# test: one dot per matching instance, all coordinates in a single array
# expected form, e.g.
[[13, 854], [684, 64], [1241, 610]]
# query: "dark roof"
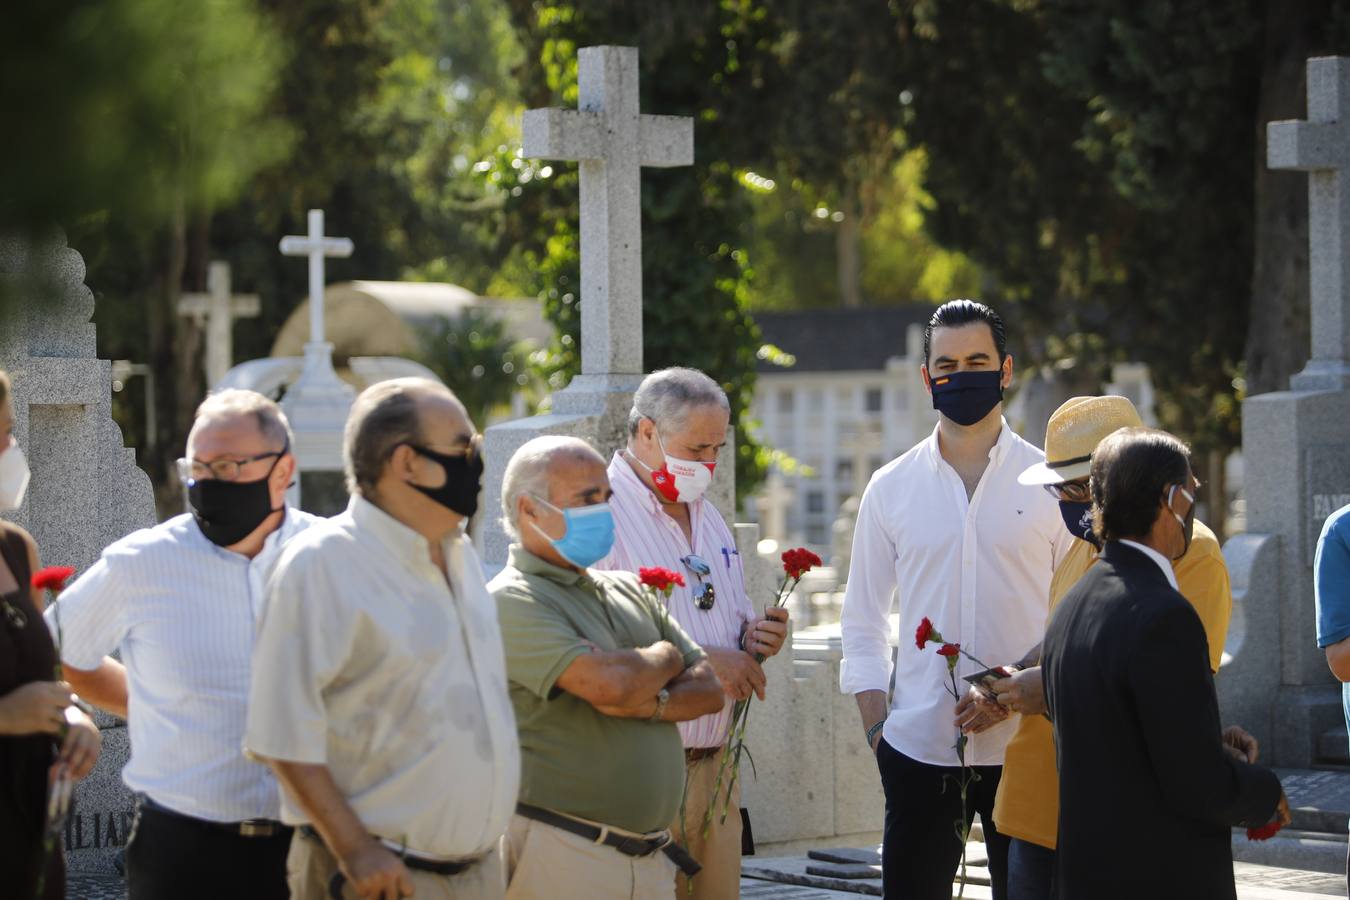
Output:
[[840, 340]]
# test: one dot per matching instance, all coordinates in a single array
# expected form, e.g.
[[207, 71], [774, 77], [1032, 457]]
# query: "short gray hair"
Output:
[[384, 416], [271, 421], [667, 396], [527, 472]]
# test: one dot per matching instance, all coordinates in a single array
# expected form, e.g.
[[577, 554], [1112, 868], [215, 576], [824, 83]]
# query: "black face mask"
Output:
[[229, 511], [966, 397], [1078, 519], [463, 479]]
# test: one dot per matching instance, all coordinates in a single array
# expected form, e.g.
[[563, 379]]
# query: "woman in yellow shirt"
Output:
[[1027, 804]]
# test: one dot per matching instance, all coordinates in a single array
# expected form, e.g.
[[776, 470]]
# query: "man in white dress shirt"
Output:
[[379, 691], [677, 425], [948, 527], [181, 601]]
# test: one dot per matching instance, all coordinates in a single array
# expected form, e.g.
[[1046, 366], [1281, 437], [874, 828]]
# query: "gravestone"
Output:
[[1295, 442], [611, 140], [217, 310], [318, 402], [86, 490]]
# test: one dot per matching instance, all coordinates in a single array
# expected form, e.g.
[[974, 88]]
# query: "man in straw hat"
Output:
[[1027, 805]]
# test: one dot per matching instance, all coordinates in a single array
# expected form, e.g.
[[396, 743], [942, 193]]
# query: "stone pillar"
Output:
[[86, 490]]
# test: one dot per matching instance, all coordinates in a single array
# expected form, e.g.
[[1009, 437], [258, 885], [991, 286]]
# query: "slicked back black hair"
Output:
[[955, 313]]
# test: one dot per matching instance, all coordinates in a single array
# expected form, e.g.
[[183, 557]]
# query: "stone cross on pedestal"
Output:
[[1321, 147], [1275, 682], [318, 403], [217, 309], [611, 140]]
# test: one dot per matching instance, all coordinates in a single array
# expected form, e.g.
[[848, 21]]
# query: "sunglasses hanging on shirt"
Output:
[[704, 595]]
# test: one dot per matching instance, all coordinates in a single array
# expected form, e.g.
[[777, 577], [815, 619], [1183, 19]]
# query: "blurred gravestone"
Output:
[[86, 490], [318, 402]]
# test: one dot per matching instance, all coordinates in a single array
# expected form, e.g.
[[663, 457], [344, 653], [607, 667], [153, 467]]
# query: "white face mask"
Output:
[[14, 476], [680, 480]]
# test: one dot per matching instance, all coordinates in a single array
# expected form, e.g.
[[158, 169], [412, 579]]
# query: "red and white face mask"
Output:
[[680, 480]]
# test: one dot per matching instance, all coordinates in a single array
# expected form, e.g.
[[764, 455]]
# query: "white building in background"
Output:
[[853, 401]]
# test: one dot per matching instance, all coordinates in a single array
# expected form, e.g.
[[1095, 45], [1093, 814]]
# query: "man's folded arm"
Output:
[[619, 678]]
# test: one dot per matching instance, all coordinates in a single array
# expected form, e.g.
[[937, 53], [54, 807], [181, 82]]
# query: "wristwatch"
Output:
[[662, 698]]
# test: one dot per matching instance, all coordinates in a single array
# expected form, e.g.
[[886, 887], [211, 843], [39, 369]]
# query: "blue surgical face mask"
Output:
[[1078, 519], [966, 397], [589, 533]]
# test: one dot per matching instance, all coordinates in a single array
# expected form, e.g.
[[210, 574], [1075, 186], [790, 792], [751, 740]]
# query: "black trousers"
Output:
[[172, 857], [920, 852]]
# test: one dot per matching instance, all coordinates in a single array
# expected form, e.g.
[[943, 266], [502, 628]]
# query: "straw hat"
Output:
[[1074, 431]]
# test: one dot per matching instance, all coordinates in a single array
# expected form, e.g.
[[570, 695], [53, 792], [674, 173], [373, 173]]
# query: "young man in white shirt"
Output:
[[948, 527], [379, 692], [181, 601]]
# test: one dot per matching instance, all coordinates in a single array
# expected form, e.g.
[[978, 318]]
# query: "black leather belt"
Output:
[[249, 828], [625, 844], [417, 863]]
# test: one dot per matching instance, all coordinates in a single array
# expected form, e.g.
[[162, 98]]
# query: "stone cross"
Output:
[[611, 140], [316, 246], [318, 402], [217, 309], [1320, 146]]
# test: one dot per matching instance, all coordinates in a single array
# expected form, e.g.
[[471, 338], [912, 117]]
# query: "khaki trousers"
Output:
[[720, 852], [547, 863], [310, 868]]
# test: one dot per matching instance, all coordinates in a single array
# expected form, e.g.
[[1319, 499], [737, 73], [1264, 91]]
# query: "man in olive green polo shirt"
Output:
[[599, 675]]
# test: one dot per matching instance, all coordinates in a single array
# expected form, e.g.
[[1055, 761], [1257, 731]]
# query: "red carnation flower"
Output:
[[52, 578], [798, 562], [949, 650], [1265, 832], [659, 579], [925, 633]]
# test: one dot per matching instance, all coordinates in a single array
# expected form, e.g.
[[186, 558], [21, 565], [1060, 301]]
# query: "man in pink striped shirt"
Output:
[[677, 426]]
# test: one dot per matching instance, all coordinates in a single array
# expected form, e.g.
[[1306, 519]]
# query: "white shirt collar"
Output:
[[404, 542], [1163, 562]]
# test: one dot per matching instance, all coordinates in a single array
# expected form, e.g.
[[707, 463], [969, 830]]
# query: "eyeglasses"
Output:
[[704, 596], [1070, 491], [220, 469]]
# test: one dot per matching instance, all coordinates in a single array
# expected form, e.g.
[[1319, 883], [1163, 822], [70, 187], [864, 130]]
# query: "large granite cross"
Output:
[[1321, 147], [217, 309], [611, 140]]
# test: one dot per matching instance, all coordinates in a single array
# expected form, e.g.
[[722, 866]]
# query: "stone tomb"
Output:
[[1276, 683], [86, 490]]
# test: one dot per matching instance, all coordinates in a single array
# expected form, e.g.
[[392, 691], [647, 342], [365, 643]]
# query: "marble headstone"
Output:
[[318, 402], [86, 490], [1276, 683]]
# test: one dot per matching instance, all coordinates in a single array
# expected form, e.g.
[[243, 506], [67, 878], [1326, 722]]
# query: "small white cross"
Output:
[[217, 309], [316, 246]]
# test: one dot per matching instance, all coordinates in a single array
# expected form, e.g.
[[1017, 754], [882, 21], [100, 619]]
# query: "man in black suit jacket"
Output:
[[1150, 787]]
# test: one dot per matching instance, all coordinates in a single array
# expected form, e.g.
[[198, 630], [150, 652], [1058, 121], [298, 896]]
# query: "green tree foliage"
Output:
[[136, 109], [480, 362]]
